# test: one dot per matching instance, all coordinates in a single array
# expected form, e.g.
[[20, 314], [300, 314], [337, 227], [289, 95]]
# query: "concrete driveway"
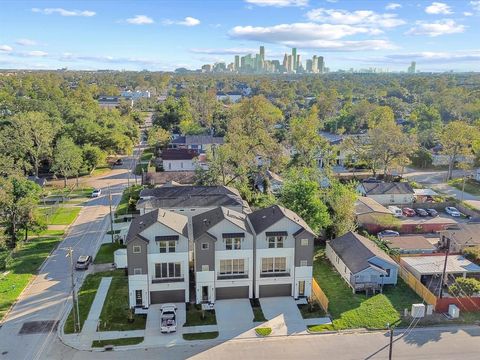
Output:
[[153, 334], [234, 318], [283, 315]]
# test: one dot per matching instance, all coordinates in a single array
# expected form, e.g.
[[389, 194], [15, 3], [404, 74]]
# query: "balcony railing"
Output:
[[232, 276], [274, 274], [167, 280]]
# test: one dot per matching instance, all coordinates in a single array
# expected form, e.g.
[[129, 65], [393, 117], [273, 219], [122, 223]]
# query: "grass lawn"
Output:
[[263, 331], [201, 336], [194, 316], [105, 253], [310, 311], [471, 186], [115, 311], [133, 192], [86, 295], [349, 310], [60, 215], [21, 266], [118, 342], [257, 311]]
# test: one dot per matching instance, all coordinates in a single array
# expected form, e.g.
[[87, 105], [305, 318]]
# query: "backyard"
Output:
[[349, 311], [105, 253], [133, 192]]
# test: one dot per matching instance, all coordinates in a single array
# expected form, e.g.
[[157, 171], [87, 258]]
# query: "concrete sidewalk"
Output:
[[91, 323]]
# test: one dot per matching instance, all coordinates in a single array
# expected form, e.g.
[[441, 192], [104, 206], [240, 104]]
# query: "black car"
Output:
[[421, 212], [118, 162], [432, 212]]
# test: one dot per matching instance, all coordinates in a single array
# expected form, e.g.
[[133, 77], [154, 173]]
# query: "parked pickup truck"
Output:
[[168, 318]]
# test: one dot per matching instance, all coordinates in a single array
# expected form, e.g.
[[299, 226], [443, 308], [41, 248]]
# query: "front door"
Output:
[[138, 298], [204, 293], [301, 288]]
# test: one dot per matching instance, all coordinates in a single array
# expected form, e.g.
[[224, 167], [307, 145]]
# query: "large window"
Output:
[[275, 241], [232, 266], [233, 244], [276, 264], [167, 246], [168, 270]]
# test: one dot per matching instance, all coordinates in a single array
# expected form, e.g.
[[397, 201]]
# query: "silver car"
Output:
[[83, 262]]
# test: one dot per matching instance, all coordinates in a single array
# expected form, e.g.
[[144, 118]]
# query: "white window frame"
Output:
[[205, 246], [274, 265], [233, 244], [303, 263], [276, 241], [304, 242], [136, 249], [205, 268], [232, 267], [137, 271], [166, 270], [166, 244]]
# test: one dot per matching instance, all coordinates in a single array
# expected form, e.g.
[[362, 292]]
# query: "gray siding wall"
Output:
[[137, 260], [204, 257], [304, 252]]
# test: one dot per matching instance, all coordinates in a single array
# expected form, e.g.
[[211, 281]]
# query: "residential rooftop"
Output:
[[387, 188]]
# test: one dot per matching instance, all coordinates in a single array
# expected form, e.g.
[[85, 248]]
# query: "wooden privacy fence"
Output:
[[418, 287], [319, 295]]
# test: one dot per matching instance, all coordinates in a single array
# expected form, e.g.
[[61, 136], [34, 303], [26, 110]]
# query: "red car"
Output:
[[408, 212]]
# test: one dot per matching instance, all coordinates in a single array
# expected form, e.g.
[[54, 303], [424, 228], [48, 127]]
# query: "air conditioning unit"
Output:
[[418, 310], [453, 311]]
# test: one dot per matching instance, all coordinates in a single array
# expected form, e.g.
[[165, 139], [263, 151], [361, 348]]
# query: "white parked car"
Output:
[[450, 210], [96, 193], [168, 318], [396, 211]]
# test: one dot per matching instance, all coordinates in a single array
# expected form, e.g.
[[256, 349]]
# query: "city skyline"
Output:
[[259, 64], [438, 36]]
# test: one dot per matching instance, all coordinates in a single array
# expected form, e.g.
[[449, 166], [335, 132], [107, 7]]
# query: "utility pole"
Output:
[[111, 215], [463, 187], [76, 314], [391, 327], [444, 268]]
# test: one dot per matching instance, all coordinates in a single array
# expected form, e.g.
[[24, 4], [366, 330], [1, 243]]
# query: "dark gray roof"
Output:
[[198, 140], [203, 222], [178, 154], [189, 196], [176, 222], [355, 250], [387, 188], [264, 218]]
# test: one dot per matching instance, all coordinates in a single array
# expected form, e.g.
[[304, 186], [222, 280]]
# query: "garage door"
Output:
[[234, 292], [160, 297], [275, 290]]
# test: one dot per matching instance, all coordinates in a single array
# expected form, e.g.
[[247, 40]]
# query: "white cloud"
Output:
[[223, 51], [311, 35], [26, 42], [475, 5], [140, 20], [188, 21], [467, 13], [359, 17], [438, 57], [438, 8], [5, 48], [393, 6], [278, 3], [437, 28], [64, 12], [36, 53]]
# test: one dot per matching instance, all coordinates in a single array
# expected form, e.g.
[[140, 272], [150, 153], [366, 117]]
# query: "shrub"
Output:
[[464, 287], [472, 254]]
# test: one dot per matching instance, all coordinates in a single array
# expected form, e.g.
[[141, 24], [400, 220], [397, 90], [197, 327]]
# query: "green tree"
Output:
[[18, 199], [158, 136], [341, 199], [67, 159], [464, 287], [301, 193], [456, 139], [93, 156]]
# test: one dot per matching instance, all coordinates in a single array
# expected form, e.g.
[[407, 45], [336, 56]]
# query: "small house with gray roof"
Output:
[[223, 255], [158, 259], [283, 253], [391, 193], [362, 264]]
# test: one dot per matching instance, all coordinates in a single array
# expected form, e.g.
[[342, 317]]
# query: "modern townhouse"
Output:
[[283, 253], [223, 255], [158, 258]]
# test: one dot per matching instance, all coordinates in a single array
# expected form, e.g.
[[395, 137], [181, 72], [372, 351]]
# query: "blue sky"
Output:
[[163, 35]]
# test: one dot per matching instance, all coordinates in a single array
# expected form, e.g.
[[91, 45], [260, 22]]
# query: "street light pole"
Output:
[[76, 316], [111, 216]]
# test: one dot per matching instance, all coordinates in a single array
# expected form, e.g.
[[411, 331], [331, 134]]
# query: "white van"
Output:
[[396, 211]]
